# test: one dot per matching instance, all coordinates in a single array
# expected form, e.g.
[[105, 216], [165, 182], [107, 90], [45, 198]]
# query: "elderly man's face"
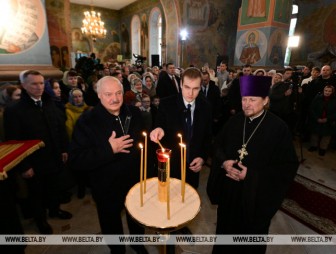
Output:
[[253, 106], [111, 96], [34, 86]]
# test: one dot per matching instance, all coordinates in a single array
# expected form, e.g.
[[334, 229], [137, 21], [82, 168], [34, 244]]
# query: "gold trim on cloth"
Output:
[[9, 147]]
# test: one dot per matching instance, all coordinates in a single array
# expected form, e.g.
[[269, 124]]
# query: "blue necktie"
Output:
[[189, 122]]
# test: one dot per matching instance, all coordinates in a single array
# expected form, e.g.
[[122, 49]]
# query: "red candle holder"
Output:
[[162, 156]]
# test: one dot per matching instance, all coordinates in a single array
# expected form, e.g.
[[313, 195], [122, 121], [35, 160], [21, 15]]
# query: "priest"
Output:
[[253, 166]]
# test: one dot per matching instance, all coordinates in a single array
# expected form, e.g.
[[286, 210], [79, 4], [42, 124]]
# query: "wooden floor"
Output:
[[84, 221]]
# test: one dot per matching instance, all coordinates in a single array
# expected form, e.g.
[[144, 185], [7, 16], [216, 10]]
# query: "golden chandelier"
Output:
[[93, 25]]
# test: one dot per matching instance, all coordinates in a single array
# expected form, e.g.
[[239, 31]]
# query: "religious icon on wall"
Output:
[[22, 24], [144, 36], [250, 53], [125, 40], [79, 42], [65, 56], [196, 13], [251, 47], [277, 47], [256, 8], [254, 11], [55, 56], [111, 52], [283, 11]]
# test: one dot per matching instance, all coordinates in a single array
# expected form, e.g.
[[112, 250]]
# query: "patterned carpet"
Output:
[[313, 204]]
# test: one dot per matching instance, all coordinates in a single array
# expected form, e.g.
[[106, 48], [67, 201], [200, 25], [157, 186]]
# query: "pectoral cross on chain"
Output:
[[242, 153]]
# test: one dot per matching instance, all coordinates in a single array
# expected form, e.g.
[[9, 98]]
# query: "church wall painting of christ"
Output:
[[251, 47]]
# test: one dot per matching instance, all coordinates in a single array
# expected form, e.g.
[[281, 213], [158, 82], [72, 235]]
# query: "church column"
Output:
[[262, 32]]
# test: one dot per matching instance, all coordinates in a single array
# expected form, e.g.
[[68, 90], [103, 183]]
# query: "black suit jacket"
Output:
[[234, 96], [171, 118], [91, 152], [166, 87], [213, 97]]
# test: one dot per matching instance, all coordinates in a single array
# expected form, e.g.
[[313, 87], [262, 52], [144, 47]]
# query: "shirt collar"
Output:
[[254, 117], [35, 100], [192, 103]]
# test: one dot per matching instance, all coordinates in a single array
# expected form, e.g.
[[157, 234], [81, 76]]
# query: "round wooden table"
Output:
[[153, 213]]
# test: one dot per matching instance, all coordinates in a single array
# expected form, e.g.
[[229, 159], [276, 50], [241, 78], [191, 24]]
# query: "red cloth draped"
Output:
[[14, 151]]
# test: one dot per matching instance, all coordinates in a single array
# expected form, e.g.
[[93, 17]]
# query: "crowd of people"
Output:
[[90, 128]]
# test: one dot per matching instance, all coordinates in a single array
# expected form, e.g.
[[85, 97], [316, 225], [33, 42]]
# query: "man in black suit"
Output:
[[172, 118], [103, 147], [212, 94], [168, 83], [35, 116]]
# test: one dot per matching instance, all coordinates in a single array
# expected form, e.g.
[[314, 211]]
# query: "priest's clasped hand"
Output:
[[196, 164], [234, 173], [120, 145]]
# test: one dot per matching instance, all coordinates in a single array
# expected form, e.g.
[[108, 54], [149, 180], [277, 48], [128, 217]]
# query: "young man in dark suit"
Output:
[[212, 94], [172, 118]]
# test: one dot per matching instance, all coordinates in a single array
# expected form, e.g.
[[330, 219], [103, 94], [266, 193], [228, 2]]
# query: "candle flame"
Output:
[[179, 135], [144, 134], [141, 146], [166, 156], [183, 145]]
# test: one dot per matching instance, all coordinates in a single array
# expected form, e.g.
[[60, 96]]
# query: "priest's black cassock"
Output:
[[247, 206]]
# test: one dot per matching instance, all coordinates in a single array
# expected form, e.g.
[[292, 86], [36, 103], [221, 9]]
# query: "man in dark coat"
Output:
[[212, 94], [168, 83], [253, 165], [35, 116], [103, 147], [234, 95], [171, 120]]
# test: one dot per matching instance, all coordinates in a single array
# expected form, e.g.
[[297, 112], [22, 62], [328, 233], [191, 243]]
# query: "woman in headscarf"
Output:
[[148, 84], [73, 109], [135, 94]]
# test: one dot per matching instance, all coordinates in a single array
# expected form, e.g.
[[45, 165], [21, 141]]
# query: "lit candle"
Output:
[[180, 136], [145, 164], [182, 165], [168, 188], [184, 170], [141, 173]]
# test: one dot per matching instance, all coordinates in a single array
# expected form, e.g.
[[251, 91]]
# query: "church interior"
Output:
[[49, 36]]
